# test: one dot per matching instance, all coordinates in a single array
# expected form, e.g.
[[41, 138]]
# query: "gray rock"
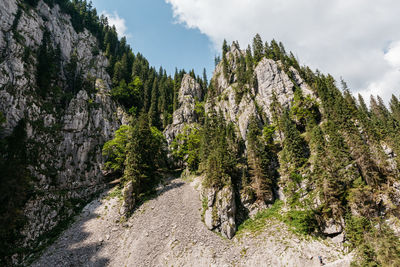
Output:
[[221, 214], [69, 141], [129, 201], [189, 92], [332, 227]]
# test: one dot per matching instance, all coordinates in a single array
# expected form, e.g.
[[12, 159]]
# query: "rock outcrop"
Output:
[[67, 141], [271, 80], [189, 93], [220, 213]]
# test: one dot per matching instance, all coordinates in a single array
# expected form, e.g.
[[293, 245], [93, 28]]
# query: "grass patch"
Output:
[[204, 204], [116, 192], [259, 221], [299, 221]]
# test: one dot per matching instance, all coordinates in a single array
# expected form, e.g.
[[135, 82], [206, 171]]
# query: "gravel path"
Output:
[[168, 231]]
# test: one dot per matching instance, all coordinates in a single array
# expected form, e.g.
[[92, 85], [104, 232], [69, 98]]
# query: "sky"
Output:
[[152, 30], [357, 40]]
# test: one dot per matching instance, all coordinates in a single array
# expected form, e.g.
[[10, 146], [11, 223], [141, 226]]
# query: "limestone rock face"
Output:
[[67, 138], [221, 211], [332, 228], [271, 80], [129, 201], [223, 82], [189, 92]]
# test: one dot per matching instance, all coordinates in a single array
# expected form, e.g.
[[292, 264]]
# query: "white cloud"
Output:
[[393, 55], [390, 82], [115, 19], [345, 38]]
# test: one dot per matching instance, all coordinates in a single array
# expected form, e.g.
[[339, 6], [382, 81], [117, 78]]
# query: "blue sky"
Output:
[[152, 31], [357, 40]]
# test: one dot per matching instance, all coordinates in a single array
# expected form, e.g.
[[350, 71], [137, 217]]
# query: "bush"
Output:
[[301, 221], [374, 242]]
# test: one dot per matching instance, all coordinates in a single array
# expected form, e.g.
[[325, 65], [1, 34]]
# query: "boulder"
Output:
[[220, 213], [129, 200]]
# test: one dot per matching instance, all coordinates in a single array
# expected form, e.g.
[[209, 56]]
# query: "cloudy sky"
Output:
[[358, 40]]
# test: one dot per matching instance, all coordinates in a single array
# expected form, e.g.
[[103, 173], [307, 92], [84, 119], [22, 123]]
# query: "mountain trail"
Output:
[[168, 231]]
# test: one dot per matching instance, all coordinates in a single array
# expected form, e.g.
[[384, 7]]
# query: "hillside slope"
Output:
[[167, 231]]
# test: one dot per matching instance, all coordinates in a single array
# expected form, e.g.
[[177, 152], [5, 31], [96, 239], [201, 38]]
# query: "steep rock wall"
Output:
[[64, 143]]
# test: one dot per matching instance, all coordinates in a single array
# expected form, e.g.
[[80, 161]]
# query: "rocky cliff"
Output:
[[64, 140], [189, 92], [274, 88]]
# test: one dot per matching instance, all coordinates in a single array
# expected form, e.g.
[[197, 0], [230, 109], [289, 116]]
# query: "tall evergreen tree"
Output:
[[140, 163], [295, 149], [258, 158], [258, 48]]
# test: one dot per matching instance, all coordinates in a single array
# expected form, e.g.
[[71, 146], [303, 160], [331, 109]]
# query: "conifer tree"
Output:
[[249, 65], [295, 149], [241, 72], [225, 63], [395, 107], [258, 158], [142, 152], [205, 81], [154, 116], [258, 48]]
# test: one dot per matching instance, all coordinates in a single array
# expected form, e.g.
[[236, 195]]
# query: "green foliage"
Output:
[[260, 158], [249, 66], [186, 147], [305, 110], [374, 242], [268, 133], [258, 48], [129, 95], [115, 193], [301, 221], [260, 220], [225, 64], [115, 149], [218, 151], [295, 149], [145, 154]]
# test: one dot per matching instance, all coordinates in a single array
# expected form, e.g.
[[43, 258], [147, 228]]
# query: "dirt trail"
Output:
[[168, 231]]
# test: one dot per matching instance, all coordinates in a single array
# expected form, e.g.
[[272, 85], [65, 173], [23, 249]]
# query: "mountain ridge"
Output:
[[264, 130]]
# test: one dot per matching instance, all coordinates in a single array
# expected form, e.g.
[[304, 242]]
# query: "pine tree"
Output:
[[217, 152], [258, 48], [205, 81], [154, 116], [73, 74], [395, 107], [140, 163], [295, 149], [258, 158], [225, 63], [241, 72], [249, 65]]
